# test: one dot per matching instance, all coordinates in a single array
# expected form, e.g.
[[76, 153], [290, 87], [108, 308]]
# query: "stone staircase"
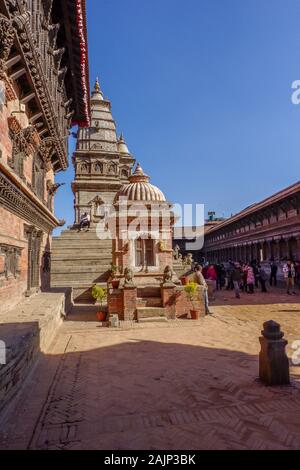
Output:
[[79, 260], [149, 305], [179, 268]]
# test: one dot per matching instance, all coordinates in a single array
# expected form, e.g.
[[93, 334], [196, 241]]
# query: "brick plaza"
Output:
[[177, 385]]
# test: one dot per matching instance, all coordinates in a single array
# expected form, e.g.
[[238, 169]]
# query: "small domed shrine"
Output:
[[144, 287]]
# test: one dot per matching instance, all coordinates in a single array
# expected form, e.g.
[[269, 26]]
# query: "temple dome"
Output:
[[140, 189]]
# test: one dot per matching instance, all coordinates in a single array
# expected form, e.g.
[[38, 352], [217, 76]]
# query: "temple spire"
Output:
[[97, 93], [122, 146]]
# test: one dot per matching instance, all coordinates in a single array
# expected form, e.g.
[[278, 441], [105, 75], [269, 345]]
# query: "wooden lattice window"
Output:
[[144, 253]]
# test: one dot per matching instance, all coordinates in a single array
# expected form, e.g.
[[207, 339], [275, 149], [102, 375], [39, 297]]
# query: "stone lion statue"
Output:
[[176, 252], [188, 260], [168, 275], [128, 274]]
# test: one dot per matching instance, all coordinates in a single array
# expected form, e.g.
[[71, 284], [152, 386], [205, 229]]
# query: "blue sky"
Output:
[[202, 92]]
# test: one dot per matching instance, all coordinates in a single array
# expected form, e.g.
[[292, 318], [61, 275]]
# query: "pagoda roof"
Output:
[[74, 18]]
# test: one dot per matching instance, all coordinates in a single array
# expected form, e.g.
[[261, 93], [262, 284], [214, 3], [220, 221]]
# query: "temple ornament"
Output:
[[7, 36]]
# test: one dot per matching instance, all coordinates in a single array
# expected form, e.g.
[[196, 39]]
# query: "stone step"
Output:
[[150, 312], [78, 269], [69, 279], [81, 243], [83, 236], [81, 260], [153, 320], [80, 251], [149, 291], [84, 285], [149, 302], [80, 264]]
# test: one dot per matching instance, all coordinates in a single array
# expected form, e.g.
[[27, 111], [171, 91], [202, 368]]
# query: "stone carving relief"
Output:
[[112, 169], [9, 261], [47, 149], [24, 143], [97, 211], [125, 172], [98, 166]]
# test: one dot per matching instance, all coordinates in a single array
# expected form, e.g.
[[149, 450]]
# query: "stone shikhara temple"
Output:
[[137, 240], [44, 79]]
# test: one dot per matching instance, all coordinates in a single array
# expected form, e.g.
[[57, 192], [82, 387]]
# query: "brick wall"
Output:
[[12, 290]]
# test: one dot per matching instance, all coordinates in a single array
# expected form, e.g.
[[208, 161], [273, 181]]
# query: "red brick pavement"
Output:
[[180, 385]]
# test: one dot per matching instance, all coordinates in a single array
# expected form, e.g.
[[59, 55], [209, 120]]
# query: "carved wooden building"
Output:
[[267, 230], [43, 91]]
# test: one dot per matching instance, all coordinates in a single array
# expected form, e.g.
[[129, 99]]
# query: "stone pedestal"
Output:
[[273, 361], [129, 303], [168, 296]]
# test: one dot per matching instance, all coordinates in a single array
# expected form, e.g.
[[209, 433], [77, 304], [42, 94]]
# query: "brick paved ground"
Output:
[[181, 385]]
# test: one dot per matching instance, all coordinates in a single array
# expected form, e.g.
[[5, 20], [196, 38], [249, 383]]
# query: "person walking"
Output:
[[274, 271], [236, 278], [245, 275], [289, 273], [220, 274], [256, 273], [250, 279], [229, 270], [263, 277], [211, 276], [199, 279]]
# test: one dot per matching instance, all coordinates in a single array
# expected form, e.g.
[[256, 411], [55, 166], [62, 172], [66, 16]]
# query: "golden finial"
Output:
[[97, 86]]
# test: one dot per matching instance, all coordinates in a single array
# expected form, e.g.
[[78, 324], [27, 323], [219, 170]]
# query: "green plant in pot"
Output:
[[192, 290], [100, 294]]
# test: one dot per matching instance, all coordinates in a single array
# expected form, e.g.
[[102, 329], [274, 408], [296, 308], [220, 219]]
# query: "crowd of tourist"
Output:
[[247, 277]]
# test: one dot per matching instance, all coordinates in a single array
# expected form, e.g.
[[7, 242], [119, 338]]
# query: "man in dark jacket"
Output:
[[236, 278], [273, 276]]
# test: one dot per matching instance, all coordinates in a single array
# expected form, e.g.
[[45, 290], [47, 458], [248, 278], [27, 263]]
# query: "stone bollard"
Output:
[[273, 361]]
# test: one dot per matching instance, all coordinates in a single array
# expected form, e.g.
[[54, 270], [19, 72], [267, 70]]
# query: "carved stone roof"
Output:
[[140, 189]]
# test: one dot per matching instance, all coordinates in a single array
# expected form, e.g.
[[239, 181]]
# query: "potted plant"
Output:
[[100, 294], [192, 290], [113, 272]]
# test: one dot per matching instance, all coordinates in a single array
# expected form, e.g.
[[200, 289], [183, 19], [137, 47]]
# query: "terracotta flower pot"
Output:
[[184, 280], [115, 284], [101, 316], [195, 314]]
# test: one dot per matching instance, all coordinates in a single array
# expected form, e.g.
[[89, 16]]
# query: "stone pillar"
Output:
[[270, 250], [288, 248], [168, 296], [273, 361], [278, 254], [129, 303]]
